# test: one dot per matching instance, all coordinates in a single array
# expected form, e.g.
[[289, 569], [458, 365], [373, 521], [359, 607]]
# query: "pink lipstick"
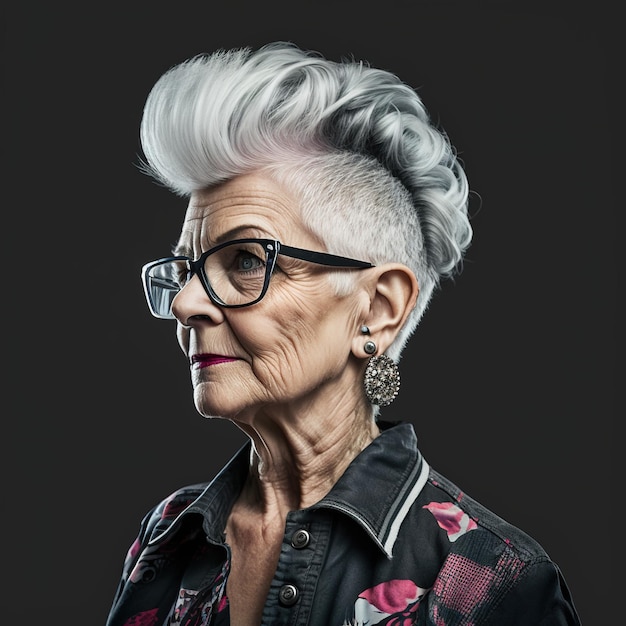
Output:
[[206, 360]]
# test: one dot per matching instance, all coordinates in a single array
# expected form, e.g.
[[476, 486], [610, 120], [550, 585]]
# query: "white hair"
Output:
[[375, 178]]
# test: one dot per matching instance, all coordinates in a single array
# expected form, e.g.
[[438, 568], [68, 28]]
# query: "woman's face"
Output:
[[293, 348]]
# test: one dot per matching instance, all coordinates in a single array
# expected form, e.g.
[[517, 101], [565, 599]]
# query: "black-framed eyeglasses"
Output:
[[234, 274]]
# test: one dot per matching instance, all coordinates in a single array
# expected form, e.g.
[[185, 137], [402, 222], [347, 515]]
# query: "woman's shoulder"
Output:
[[473, 526], [178, 500], [160, 516], [514, 580], [201, 497]]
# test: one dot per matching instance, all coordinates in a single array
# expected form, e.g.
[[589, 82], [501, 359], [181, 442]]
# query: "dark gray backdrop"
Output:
[[509, 379]]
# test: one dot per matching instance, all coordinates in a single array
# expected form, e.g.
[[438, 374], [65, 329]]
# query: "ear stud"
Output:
[[369, 347]]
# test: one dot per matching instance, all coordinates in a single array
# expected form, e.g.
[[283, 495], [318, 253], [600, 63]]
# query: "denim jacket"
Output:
[[393, 543]]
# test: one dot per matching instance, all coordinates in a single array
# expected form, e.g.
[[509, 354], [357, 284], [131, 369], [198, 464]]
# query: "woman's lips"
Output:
[[206, 360]]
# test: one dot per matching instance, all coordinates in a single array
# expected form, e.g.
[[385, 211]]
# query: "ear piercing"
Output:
[[369, 346]]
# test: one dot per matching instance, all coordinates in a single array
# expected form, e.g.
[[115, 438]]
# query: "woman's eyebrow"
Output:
[[238, 231]]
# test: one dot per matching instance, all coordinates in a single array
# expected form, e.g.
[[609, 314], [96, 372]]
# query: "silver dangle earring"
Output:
[[382, 376], [382, 379]]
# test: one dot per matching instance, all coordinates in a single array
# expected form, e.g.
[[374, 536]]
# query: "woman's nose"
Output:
[[192, 303]]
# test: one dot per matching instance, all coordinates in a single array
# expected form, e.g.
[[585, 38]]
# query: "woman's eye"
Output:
[[247, 262]]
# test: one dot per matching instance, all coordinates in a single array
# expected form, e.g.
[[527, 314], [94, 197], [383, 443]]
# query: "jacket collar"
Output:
[[380, 485], [391, 468]]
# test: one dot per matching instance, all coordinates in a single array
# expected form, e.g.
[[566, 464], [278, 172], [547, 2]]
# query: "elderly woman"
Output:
[[324, 209]]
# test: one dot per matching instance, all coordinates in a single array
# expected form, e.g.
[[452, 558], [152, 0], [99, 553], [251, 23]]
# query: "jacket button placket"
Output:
[[292, 588]]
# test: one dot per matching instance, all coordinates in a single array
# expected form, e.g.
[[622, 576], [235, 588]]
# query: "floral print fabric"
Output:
[[411, 548]]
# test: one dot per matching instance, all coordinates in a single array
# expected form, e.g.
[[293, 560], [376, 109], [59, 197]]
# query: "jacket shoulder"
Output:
[[511, 577], [480, 517]]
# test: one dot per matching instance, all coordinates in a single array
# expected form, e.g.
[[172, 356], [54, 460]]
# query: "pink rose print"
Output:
[[147, 618], [134, 549], [392, 603], [451, 518], [223, 604], [173, 507]]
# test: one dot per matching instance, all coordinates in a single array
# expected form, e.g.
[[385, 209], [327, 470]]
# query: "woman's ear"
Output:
[[393, 291]]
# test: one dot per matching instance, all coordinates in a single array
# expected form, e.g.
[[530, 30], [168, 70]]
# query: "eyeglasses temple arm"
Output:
[[322, 258]]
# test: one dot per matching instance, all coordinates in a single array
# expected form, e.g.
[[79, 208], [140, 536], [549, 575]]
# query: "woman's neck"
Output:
[[296, 460]]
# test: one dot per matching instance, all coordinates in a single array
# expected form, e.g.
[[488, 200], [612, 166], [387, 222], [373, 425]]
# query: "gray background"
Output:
[[509, 379]]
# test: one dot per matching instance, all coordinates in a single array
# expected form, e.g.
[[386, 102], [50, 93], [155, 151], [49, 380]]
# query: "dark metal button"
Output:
[[148, 575], [288, 595], [300, 539]]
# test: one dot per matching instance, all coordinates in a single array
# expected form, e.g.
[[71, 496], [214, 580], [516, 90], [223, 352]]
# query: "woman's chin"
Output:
[[211, 406], [211, 410], [208, 413]]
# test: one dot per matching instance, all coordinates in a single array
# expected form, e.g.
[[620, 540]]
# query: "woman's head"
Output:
[[373, 178]]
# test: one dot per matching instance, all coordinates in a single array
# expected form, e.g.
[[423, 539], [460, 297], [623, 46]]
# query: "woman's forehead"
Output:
[[252, 205]]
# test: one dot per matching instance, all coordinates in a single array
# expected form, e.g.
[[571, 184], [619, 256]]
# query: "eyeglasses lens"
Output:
[[235, 273]]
